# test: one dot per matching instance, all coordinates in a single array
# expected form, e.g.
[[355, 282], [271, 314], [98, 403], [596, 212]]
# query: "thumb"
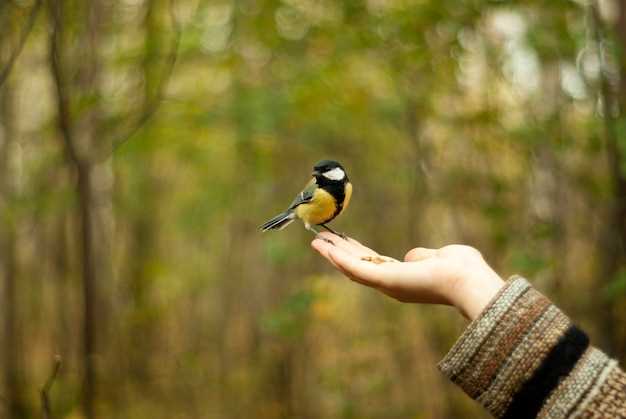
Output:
[[419, 253]]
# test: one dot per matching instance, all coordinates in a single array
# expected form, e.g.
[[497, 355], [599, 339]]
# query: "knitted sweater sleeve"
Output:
[[523, 358]]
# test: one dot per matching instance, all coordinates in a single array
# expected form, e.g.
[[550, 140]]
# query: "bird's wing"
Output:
[[305, 196]]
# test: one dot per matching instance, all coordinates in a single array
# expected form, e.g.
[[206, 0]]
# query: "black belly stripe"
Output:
[[337, 189], [339, 193], [336, 213], [559, 362]]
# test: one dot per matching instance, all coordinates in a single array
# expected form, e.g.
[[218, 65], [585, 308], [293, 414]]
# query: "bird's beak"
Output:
[[316, 173]]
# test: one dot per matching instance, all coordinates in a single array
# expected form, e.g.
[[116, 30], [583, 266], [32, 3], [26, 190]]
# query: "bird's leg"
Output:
[[317, 233], [343, 236]]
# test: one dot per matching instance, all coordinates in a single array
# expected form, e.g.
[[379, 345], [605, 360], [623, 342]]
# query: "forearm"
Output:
[[522, 357]]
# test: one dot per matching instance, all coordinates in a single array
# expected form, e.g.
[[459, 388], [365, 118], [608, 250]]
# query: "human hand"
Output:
[[455, 275]]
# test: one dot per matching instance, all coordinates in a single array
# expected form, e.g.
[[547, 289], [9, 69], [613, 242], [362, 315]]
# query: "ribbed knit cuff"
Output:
[[523, 358], [606, 397]]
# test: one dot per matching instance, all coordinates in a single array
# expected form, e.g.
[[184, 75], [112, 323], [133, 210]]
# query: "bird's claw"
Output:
[[336, 233], [327, 240]]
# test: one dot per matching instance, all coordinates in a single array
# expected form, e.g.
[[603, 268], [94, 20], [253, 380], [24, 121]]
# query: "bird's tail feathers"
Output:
[[279, 222]]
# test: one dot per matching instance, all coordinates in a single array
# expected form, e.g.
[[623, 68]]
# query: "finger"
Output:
[[342, 243], [356, 269], [355, 248], [366, 250], [349, 245], [323, 248], [419, 253], [330, 236]]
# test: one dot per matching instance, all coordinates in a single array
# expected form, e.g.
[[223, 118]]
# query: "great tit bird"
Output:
[[325, 196]]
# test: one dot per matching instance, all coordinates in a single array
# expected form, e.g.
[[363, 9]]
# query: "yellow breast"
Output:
[[346, 200], [320, 210], [322, 207]]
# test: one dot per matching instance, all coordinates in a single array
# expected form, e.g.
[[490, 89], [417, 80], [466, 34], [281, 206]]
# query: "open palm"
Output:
[[455, 275]]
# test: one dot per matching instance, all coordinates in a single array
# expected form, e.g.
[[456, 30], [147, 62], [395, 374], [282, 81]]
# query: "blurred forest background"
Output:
[[143, 141]]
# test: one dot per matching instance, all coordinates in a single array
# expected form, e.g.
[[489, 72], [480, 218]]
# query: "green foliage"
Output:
[[616, 288], [290, 319], [529, 263]]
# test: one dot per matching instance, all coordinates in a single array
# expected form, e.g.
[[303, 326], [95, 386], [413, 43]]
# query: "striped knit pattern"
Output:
[[523, 355], [499, 344], [607, 397], [525, 359], [498, 395], [470, 341], [572, 389]]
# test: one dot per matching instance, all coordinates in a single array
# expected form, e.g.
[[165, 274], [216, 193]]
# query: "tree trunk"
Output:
[[78, 135], [144, 222], [63, 290], [613, 239], [12, 348], [85, 198], [616, 157], [617, 150]]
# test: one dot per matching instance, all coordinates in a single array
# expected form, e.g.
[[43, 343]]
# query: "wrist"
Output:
[[474, 292]]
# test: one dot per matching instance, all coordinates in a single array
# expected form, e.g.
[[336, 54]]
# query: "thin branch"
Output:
[[63, 100], [152, 106], [44, 393], [26, 30]]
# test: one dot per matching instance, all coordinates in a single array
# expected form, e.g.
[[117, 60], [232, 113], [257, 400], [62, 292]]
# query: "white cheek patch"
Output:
[[334, 174]]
